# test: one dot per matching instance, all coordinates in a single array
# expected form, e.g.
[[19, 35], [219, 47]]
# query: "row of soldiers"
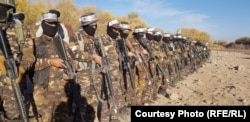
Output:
[[87, 75]]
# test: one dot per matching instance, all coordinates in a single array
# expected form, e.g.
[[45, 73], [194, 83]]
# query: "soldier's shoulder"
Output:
[[11, 31]]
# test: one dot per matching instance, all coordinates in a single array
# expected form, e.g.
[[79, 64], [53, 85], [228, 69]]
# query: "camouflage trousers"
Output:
[[115, 103], [89, 89], [127, 90], [52, 101], [88, 94], [9, 107], [152, 89], [141, 84]]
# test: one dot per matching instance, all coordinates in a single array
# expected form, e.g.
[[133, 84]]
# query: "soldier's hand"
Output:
[[145, 52], [57, 62], [130, 54], [136, 63], [65, 77], [97, 59], [104, 70]]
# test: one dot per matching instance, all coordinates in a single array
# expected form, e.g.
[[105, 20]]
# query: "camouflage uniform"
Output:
[[118, 99], [143, 77], [7, 95], [160, 72], [84, 74], [52, 94], [179, 59], [169, 49], [181, 48], [128, 91]]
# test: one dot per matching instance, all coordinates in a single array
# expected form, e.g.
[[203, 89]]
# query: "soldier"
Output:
[[110, 42], [51, 82], [85, 38], [61, 29], [161, 66], [27, 83], [127, 61], [22, 56], [179, 57], [144, 78], [169, 49]]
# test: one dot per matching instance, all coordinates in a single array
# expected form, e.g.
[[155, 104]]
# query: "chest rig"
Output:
[[84, 46]]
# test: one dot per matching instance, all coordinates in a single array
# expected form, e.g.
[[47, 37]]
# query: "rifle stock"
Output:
[[12, 73]]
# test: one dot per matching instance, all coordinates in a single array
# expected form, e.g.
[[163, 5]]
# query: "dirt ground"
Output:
[[223, 80]]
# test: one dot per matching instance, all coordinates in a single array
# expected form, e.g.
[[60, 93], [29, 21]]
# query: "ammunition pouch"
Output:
[[156, 53], [185, 55], [170, 53], [178, 50], [164, 62], [141, 85], [173, 58], [41, 77]]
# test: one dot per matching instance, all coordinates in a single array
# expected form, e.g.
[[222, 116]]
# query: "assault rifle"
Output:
[[12, 72], [144, 65], [151, 56], [106, 76], [77, 110], [158, 66], [126, 62]]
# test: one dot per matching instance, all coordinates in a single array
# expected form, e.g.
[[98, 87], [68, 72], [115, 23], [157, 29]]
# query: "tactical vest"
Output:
[[81, 64], [41, 77]]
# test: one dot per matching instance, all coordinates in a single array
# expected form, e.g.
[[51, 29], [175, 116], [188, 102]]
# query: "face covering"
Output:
[[166, 39], [157, 38], [4, 14], [89, 30], [138, 36], [49, 30], [111, 33], [122, 34], [149, 36]]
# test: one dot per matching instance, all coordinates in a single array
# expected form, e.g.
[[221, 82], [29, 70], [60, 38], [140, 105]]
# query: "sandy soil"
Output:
[[223, 80]]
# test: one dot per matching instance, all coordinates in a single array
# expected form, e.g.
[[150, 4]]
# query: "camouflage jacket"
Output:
[[82, 44], [27, 51], [44, 47]]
